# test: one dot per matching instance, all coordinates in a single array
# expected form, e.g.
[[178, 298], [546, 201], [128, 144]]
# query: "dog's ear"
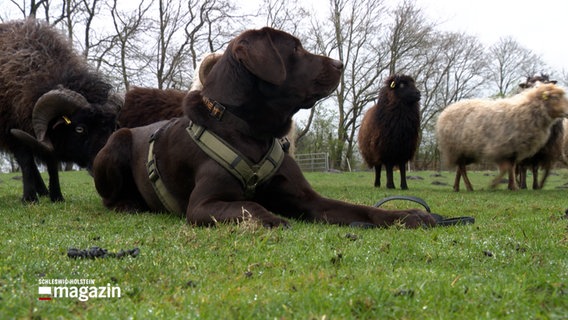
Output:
[[258, 54]]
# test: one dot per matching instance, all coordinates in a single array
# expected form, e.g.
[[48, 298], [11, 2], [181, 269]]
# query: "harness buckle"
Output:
[[253, 180], [152, 172]]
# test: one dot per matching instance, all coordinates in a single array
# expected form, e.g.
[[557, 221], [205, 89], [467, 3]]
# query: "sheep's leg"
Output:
[[502, 170], [512, 180], [462, 171], [457, 180], [544, 177], [468, 186], [403, 184], [522, 171], [32, 182], [536, 185], [390, 179], [40, 187], [54, 186], [506, 167], [378, 175]]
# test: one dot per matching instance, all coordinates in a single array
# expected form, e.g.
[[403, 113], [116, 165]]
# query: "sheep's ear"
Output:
[[544, 96], [549, 94], [259, 56]]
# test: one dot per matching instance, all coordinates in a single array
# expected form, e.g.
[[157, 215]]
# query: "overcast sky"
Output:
[[540, 26]]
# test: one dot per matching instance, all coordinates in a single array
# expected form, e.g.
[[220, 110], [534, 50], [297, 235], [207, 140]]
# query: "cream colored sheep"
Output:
[[503, 131], [202, 70]]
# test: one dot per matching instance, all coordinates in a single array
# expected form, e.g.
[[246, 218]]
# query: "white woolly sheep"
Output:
[[503, 131], [203, 67]]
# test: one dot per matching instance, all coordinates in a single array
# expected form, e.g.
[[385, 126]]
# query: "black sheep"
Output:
[[52, 105], [389, 131]]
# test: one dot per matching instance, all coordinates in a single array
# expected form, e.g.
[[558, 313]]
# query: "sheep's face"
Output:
[[79, 137], [553, 99], [404, 88]]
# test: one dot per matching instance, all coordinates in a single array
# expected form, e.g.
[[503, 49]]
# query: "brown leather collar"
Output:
[[216, 110]]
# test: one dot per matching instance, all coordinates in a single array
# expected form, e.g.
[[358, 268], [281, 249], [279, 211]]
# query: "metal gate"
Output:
[[313, 161]]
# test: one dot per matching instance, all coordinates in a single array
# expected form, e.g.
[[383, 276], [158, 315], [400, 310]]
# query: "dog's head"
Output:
[[265, 76]]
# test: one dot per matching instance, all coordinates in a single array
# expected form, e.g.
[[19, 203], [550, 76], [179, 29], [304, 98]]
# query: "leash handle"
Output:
[[409, 198]]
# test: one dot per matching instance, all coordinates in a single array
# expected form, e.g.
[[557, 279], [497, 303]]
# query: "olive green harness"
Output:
[[249, 174]]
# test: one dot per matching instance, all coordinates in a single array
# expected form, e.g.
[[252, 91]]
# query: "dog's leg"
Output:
[[113, 175], [218, 198], [308, 205], [290, 195], [216, 211]]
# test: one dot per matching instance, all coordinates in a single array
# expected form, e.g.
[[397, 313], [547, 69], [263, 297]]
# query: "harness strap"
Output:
[[249, 174], [157, 183]]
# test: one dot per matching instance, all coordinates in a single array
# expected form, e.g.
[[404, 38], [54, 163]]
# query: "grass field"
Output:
[[511, 264]]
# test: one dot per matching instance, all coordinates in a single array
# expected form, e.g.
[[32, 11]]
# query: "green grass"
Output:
[[511, 264]]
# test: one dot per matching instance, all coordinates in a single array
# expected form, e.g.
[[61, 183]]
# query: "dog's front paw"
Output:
[[417, 218], [275, 222]]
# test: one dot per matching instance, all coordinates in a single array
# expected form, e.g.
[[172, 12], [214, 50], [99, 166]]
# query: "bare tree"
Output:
[[408, 35], [351, 36], [563, 77], [41, 9], [452, 68], [30, 9], [186, 30], [120, 53], [287, 15], [510, 63]]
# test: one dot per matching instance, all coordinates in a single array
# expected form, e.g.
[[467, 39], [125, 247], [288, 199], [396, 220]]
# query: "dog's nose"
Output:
[[337, 64]]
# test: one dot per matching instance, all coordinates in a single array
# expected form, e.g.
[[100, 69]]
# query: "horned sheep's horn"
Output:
[[31, 141], [53, 104]]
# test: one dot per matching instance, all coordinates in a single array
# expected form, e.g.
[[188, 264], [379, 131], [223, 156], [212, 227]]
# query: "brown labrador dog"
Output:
[[263, 78]]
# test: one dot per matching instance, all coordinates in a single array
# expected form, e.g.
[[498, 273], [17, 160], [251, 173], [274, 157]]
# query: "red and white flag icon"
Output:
[[44, 291]]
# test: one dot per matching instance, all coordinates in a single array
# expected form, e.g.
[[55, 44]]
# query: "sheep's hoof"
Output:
[[57, 198], [30, 199]]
